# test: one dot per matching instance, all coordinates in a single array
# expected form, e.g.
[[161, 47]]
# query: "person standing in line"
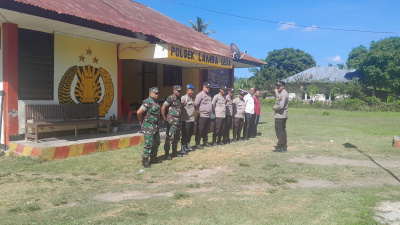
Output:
[[187, 118], [281, 116], [148, 116], [257, 111], [249, 116], [229, 114], [239, 106], [173, 103], [204, 108], [219, 104]]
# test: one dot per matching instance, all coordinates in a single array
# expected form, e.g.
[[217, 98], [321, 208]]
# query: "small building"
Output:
[[99, 51]]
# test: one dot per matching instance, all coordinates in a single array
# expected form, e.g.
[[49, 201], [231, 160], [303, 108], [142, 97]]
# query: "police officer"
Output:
[[173, 102], [219, 104], [229, 114], [148, 116], [238, 115], [187, 119], [281, 115], [204, 108]]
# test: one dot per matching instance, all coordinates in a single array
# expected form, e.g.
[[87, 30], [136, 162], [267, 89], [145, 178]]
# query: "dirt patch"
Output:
[[136, 195], [358, 183], [334, 161], [388, 213]]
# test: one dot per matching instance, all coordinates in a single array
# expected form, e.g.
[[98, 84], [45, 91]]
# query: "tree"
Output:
[[380, 65], [281, 64], [201, 27]]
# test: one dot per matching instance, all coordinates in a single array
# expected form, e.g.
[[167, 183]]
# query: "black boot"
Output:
[[145, 162], [154, 160], [207, 145], [183, 150], [167, 156], [198, 146], [176, 154]]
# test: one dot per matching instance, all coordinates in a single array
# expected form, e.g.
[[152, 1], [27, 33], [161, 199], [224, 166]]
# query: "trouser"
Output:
[[237, 127], [248, 125], [187, 132], [202, 129], [151, 143], [280, 129], [227, 128], [256, 120], [218, 129], [173, 135]]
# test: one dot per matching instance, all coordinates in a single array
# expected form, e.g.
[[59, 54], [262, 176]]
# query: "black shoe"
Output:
[[154, 160], [222, 143], [207, 145], [168, 157], [215, 144], [199, 147], [176, 154], [145, 162], [183, 150], [233, 141], [247, 139], [188, 148]]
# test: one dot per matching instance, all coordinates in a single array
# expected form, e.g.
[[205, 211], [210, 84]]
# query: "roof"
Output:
[[324, 74], [128, 16]]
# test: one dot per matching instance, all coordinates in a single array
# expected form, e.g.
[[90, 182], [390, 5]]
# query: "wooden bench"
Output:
[[40, 116]]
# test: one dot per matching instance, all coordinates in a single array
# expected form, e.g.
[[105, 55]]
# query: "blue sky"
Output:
[[258, 38]]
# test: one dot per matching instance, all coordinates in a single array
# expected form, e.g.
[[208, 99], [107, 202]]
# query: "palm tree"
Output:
[[201, 27]]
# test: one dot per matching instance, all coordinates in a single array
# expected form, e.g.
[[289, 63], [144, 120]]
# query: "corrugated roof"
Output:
[[137, 17], [327, 74]]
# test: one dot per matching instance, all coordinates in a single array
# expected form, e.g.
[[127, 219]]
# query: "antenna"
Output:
[[235, 51]]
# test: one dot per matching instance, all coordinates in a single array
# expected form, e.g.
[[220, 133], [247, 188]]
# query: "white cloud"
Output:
[[334, 59], [287, 26], [313, 27]]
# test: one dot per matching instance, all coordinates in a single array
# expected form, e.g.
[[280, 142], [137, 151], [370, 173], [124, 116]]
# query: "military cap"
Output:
[[189, 86], [280, 83], [223, 87], [153, 89], [177, 87], [242, 92], [231, 90], [206, 84]]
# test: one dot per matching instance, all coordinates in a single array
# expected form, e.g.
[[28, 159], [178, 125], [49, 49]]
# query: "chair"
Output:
[[126, 112]]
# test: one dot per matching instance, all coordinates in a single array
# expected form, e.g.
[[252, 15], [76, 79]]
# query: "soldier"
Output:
[[173, 102], [248, 125], [219, 104], [238, 115], [281, 115], [204, 107], [229, 114], [149, 122], [187, 118]]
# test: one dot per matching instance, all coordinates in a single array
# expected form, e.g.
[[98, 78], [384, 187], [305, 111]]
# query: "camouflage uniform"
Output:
[[173, 103], [150, 127]]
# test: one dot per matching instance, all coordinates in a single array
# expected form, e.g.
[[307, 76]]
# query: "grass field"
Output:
[[340, 166]]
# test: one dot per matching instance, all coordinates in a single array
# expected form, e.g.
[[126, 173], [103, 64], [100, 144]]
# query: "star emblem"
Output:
[[82, 58], [95, 60], [88, 52]]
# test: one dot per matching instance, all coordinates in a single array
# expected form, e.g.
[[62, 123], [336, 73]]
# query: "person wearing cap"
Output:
[[238, 105], [148, 116], [249, 116], [204, 108], [281, 115], [219, 104], [187, 118], [229, 114], [173, 120], [257, 111]]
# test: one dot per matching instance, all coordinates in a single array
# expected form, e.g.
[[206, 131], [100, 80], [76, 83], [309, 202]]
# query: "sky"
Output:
[[258, 37]]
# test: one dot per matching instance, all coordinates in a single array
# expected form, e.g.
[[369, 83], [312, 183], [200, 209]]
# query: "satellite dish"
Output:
[[235, 51]]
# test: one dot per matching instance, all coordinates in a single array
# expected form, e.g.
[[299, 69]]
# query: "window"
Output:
[[35, 65], [172, 75]]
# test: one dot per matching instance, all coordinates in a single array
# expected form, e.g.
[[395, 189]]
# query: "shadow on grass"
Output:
[[348, 145]]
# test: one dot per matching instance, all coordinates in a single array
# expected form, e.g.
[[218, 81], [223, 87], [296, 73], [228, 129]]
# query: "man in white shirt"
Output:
[[249, 116]]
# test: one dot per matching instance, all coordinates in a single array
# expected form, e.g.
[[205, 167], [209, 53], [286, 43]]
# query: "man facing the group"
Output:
[[281, 115]]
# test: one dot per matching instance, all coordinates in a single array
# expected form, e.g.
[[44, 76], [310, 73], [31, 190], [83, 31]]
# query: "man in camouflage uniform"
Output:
[[229, 113], [148, 116], [219, 104], [173, 103]]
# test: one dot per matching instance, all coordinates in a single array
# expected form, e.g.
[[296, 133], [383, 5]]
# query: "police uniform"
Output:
[[281, 115], [228, 117], [204, 107], [173, 103], [187, 119], [219, 104], [238, 116], [150, 127]]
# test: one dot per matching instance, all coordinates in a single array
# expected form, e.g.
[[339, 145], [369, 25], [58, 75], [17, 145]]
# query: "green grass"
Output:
[[244, 183]]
